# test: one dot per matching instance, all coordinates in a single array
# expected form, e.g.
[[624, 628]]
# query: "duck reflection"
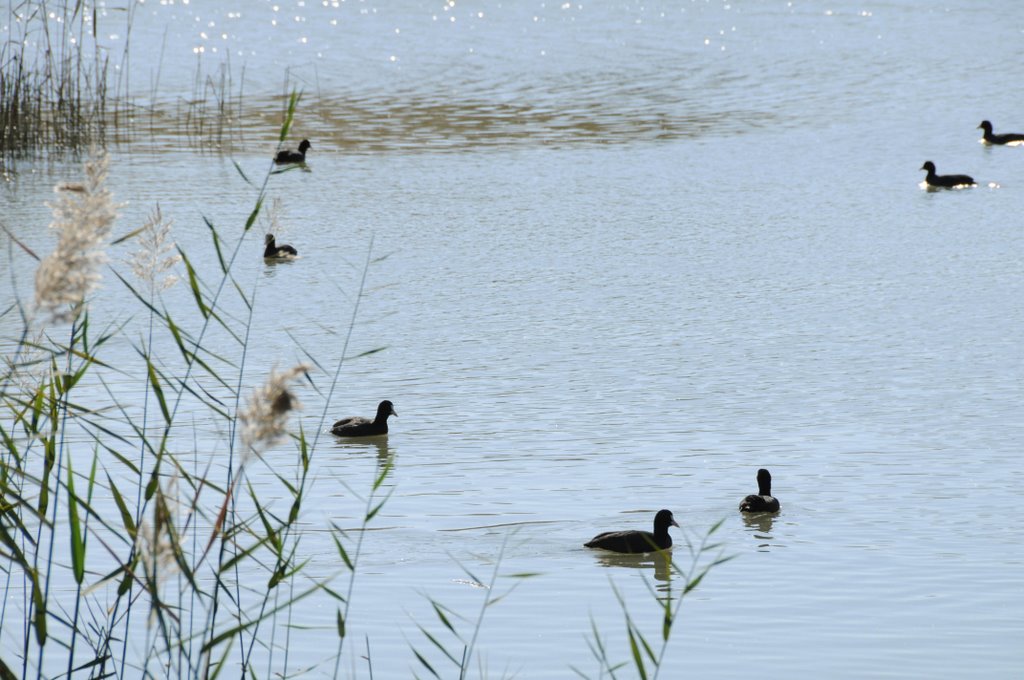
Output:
[[760, 526], [376, 445], [660, 562]]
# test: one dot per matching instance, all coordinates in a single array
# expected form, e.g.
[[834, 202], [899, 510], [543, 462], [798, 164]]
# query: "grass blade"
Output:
[[154, 382], [75, 527], [634, 649]]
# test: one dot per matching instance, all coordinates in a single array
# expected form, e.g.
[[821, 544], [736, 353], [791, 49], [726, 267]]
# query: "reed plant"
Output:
[[646, 652], [455, 645], [63, 90], [177, 566], [212, 114], [54, 85]]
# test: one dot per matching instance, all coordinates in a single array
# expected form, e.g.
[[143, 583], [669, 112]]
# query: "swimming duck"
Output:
[[633, 541], [945, 181], [288, 156], [763, 501], [356, 426], [278, 251], [1010, 138]]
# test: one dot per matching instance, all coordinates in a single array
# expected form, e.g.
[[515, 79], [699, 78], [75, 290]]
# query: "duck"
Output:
[[1011, 138], [945, 181], [356, 426], [288, 156], [273, 250], [632, 541], [763, 501]]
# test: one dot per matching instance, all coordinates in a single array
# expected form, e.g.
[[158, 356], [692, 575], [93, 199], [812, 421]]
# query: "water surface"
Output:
[[633, 253]]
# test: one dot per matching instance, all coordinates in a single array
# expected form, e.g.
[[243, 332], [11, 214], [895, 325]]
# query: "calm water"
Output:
[[634, 252]]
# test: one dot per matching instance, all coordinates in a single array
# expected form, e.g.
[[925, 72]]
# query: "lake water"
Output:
[[624, 254]]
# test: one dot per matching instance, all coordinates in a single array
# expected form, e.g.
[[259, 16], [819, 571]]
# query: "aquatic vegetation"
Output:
[[62, 91], [154, 531], [83, 217], [53, 89], [156, 256], [459, 653], [648, 656]]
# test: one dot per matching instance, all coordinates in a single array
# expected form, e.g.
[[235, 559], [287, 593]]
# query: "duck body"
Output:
[[1010, 138], [945, 181], [637, 541], [273, 250], [762, 501], [356, 426], [286, 156]]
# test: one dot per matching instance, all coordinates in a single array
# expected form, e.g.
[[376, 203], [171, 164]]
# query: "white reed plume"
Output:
[[156, 254], [265, 416], [155, 541], [83, 216], [271, 217]]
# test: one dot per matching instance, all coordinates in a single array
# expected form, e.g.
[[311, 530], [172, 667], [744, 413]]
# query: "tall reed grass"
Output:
[[54, 79], [176, 566], [63, 88]]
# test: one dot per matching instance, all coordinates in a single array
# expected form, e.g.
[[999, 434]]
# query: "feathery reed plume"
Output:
[[156, 254], [271, 217], [266, 415], [83, 216], [155, 544]]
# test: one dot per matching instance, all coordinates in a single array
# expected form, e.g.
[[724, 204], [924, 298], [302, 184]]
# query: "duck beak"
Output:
[[675, 524]]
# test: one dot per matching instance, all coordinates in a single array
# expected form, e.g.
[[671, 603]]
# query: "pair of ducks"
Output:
[[272, 250], [644, 541], [953, 181]]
